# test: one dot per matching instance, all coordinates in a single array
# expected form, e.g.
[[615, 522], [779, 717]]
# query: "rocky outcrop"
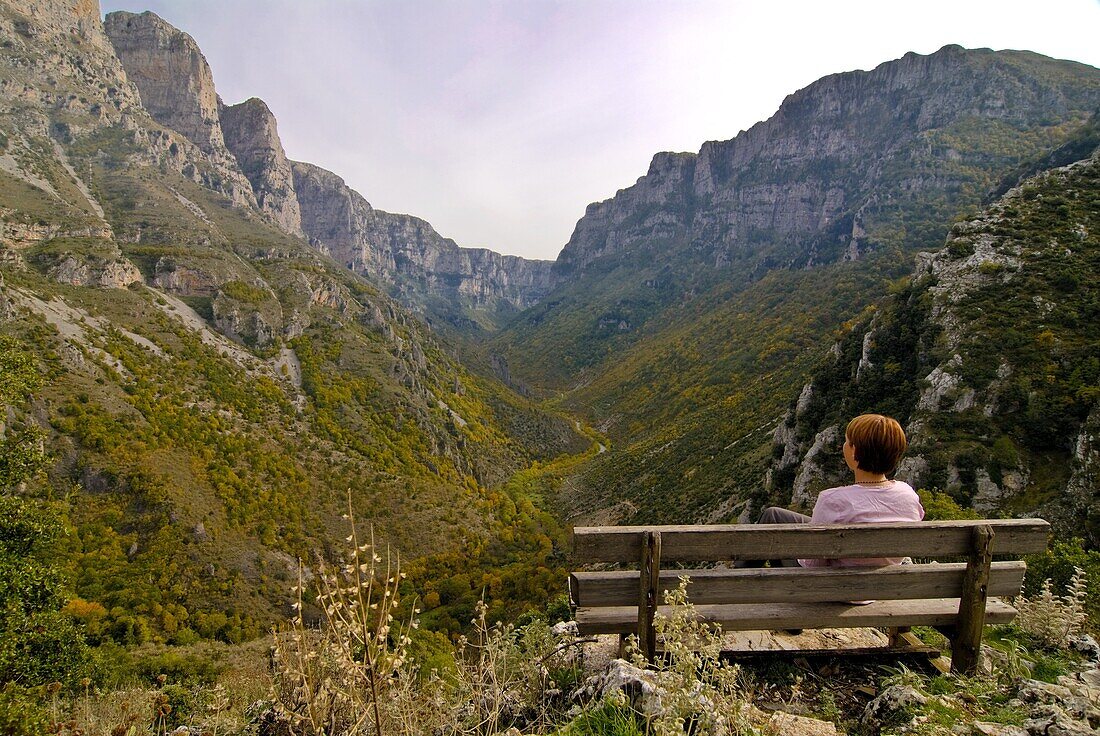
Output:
[[657, 207], [77, 20], [18, 233], [177, 88], [407, 252], [59, 79], [74, 270], [176, 84], [816, 180], [252, 136], [1083, 489]]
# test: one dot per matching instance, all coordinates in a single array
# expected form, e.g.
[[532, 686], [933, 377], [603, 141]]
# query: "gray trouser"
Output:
[[776, 515]]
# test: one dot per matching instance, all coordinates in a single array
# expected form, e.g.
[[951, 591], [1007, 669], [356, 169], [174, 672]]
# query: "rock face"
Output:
[[176, 84], [252, 136], [407, 252], [59, 79], [110, 274], [137, 73], [61, 18], [404, 252], [825, 171], [1081, 491], [177, 88]]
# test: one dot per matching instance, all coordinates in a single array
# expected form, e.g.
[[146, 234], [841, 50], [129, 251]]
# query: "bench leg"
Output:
[[966, 644], [895, 633], [622, 646], [648, 592]]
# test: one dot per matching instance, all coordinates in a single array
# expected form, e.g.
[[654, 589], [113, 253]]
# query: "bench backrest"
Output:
[[717, 543], [793, 585], [724, 542]]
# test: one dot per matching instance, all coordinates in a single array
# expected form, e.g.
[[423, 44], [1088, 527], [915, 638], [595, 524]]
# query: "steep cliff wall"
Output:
[[252, 136], [425, 271], [177, 89], [839, 159], [407, 252]]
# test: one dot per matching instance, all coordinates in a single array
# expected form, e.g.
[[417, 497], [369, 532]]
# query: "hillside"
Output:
[[214, 386], [692, 304], [988, 353]]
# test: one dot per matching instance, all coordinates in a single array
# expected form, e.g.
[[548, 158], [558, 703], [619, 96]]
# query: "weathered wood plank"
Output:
[[929, 539], [967, 642], [763, 585], [902, 649], [647, 594], [777, 616]]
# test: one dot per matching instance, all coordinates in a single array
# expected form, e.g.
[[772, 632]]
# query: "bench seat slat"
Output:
[[790, 585], [929, 539], [778, 616]]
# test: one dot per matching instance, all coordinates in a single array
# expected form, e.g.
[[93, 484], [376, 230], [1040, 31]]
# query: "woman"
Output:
[[873, 446]]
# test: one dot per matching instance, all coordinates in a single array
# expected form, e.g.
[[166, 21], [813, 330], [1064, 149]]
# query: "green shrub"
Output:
[[182, 702], [939, 506], [21, 714], [243, 292], [609, 719], [179, 669], [558, 610]]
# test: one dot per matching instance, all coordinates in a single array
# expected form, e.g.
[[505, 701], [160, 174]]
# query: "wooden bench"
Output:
[[957, 597]]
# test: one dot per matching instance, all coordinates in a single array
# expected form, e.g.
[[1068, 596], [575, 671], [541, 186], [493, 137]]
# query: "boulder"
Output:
[[895, 703]]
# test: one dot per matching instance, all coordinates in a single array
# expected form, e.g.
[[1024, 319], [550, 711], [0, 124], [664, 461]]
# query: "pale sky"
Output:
[[498, 122]]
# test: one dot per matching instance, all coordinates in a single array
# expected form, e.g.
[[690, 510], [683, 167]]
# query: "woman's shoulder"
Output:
[[901, 486], [838, 495]]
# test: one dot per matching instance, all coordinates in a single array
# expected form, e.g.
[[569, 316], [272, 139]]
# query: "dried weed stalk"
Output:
[[504, 678], [343, 677], [1050, 619], [701, 693], [353, 675]]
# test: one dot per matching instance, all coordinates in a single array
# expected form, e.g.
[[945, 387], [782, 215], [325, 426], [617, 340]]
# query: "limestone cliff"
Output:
[[829, 170], [177, 88], [61, 83], [176, 84], [408, 253], [252, 136]]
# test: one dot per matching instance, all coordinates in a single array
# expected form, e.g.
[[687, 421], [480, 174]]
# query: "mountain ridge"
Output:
[[687, 315], [427, 272]]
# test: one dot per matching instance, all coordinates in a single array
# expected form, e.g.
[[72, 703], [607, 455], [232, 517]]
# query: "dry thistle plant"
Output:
[[702, 694], [1052, 619], [343, 677], [503, 676], [353, 675]]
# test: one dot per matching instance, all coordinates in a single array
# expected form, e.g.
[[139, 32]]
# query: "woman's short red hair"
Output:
[[879, 442]]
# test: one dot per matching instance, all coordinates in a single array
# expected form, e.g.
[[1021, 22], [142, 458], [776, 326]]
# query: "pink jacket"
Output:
[[858, 504]]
